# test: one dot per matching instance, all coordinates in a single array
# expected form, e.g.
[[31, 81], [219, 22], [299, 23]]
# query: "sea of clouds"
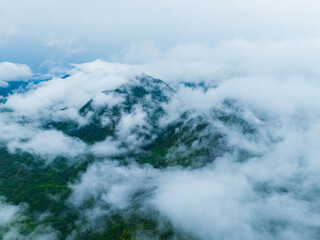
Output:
[[273, 195]]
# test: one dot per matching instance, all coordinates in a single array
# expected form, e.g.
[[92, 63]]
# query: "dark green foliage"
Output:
[[71, 172], [184, 134], [24, 184], [116, 228], [134, 226], [24, 180], [90, 133], [45, 189]]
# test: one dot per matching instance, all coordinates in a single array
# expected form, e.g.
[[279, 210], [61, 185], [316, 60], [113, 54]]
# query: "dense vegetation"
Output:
[[44, 188]]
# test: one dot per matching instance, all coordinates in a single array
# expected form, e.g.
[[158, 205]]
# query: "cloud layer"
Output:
[[264, 187]]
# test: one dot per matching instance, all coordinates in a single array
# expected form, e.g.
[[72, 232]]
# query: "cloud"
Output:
[[59, 99], [8, 212], [14, 72], [12, 224], [133, 121], [269, 94], [222, 203], [225, 59], [50, 144], [86, 81], [103, 99], [271, 193], [98, 29], [45, 143], [107, 147], [111, 183]]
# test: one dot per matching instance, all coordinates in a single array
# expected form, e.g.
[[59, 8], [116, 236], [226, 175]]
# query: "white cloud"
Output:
[[111, 183], [8, 212], [11, 227], [222, 203], [226, 59], [14, 72], [129, 122], [270, 94], [86, 81], [50, 144], [107, 147], [105, 99], [28, 137]]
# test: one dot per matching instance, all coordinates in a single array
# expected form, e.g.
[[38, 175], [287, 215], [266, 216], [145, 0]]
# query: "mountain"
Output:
[[192, 139], [143, 94], [134, 119]]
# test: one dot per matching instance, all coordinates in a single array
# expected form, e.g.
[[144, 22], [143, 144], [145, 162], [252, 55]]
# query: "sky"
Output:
[[46, 35]]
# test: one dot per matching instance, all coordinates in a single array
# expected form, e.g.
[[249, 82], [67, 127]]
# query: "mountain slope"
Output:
[[129, 126]]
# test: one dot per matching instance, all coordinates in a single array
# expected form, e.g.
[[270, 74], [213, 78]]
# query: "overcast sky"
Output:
[[44, 33]]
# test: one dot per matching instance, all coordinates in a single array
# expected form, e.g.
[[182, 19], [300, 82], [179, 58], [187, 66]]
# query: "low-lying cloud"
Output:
[[265, 187], [13, 72]]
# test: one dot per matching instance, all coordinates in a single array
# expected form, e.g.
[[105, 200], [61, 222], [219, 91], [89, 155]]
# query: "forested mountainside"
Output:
[[121, 164]]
